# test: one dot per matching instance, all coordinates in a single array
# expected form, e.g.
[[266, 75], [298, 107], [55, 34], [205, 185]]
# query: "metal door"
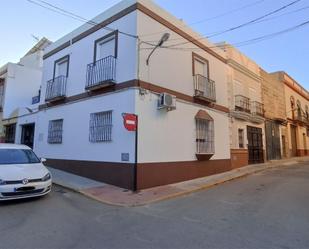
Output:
[[273, 149], [255, 145]]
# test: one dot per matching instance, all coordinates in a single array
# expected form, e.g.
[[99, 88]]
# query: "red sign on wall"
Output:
[[130, 121]]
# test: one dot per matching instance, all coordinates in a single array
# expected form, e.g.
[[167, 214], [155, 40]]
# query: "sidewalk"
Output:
[[121, 197]]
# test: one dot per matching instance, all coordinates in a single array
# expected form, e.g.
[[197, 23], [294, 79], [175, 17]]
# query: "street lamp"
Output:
[[163, 39]]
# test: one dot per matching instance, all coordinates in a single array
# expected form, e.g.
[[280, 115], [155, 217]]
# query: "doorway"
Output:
[[273, 149], [255, 145], [293, 141], [27, 135]]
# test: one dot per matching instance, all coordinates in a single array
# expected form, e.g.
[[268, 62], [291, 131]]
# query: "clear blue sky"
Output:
[[289, 52]]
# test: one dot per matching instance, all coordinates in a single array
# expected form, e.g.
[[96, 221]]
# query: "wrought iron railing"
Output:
[[56, 88], [204, 87], [242, 104], [101, 72], [257, 108]]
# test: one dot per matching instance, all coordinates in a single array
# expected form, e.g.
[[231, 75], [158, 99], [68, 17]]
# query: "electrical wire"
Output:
[[239, 26], [243, 43], [56, 9], [211, 18]]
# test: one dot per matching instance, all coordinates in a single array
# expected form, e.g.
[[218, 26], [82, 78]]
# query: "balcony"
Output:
[[101, 73], [242, 108], [204, 88], [301, 117], [56, 89], [257, 111]]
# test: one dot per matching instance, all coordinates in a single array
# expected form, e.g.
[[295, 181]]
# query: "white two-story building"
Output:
[[19, 95], [96, 73]]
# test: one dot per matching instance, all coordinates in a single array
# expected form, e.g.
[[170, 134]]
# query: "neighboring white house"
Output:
[[95, 74], [19, 95]]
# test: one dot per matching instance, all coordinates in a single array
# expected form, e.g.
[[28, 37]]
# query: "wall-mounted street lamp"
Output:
[[163, 39]]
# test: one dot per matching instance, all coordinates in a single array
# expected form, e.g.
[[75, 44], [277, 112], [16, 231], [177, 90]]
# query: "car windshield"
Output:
[[17, 156]]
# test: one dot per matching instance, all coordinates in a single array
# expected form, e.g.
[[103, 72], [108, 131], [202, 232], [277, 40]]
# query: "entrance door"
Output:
[[255, 145], [293, 140], [273, 149], [27, 135]]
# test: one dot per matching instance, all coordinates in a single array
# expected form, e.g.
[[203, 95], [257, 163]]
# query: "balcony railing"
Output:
[[257, 108], [242, 104], [56, 88], [204, 87], [101, 73]]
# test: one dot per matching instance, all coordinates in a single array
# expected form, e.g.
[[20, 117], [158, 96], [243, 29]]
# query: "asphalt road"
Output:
[[265, 210]]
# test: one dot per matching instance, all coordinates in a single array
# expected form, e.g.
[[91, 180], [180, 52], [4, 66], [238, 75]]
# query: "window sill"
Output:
[[204, 157]]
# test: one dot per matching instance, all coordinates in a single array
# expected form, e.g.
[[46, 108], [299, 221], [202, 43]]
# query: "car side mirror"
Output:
[[43, 160]]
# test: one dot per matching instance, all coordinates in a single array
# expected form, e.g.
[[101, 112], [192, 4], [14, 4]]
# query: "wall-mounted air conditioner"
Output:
[[167, 101]]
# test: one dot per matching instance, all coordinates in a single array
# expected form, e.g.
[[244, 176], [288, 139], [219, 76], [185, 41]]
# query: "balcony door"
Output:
[[201, 68], [61, 67], [105, 47]]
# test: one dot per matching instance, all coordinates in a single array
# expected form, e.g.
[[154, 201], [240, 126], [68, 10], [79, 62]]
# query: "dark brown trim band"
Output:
[[135, 83], [56, 50], [188, 37], [118, 174], [146, 11], [156, 174], [105, 23], [148, 174]]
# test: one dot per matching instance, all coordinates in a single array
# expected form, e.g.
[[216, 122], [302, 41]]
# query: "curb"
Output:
[[238, 174]]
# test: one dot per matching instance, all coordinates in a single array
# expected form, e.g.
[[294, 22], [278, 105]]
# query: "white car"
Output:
[[22, 173]]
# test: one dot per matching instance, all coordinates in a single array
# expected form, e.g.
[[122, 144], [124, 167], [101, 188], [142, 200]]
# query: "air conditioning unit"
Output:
[[167, 101]]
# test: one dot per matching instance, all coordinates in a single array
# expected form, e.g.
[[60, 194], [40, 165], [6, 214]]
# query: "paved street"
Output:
[[265, 210]]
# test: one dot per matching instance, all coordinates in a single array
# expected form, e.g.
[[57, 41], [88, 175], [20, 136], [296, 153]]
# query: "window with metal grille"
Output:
[[205, 136], [55, 130], [101, 127], [241, 138]]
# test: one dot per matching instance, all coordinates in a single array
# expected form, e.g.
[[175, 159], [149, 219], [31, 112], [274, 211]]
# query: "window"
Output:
[[10, 133], [100, 127], [61, 67], [204, 133], [307, 112], [106, 46], [241, 138], [200, 66], [55, 130]]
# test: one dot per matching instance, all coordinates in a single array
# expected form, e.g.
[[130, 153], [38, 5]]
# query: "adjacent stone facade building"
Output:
[[275, 114]]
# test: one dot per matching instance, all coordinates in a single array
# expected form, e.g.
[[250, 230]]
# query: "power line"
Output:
[[241, 25], [244, 43], [67, 13], [213, 17], [256, 19]]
